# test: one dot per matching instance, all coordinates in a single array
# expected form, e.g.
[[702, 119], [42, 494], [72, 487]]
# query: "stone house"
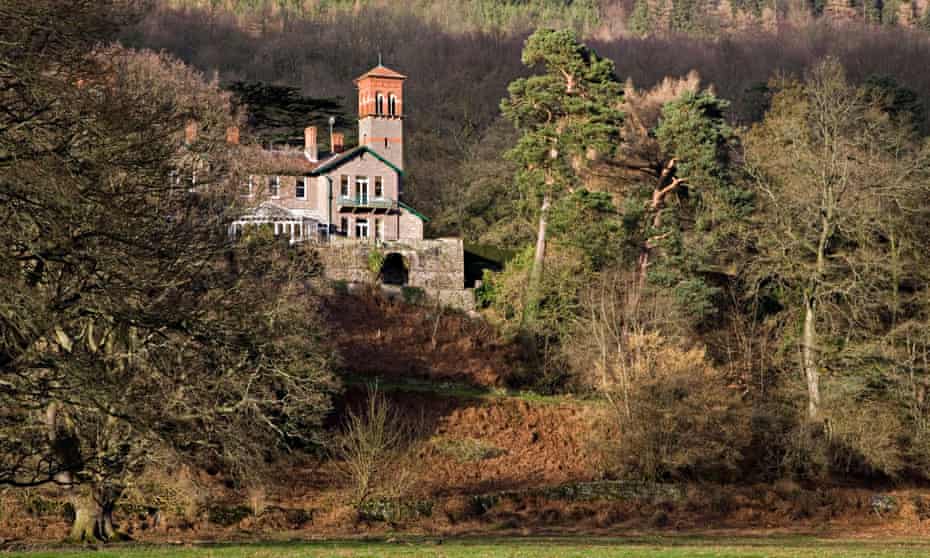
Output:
[[354, 193], [349, 201]]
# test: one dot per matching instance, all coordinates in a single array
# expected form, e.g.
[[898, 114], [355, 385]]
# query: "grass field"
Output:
[[645, 547]]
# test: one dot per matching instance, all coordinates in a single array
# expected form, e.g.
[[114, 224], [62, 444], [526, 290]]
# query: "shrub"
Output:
[[855, 439], [375, 261], [678, 419], [413, 295], [373, 449], [468, 450], [485, 295], [164, 490], [341, 287], [394, 511], [228, 516], [863, 439]]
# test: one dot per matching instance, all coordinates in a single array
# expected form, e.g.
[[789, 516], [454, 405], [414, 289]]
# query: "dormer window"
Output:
[[379, 187], [392, 105], [379, 104]]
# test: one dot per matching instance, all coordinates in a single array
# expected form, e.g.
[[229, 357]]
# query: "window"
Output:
[[379, 187], [379, 104], [300, 191], [392, 105], [344, 226], [276, 187], [361, 189], [379, 229], [361, 228], [344, 186]]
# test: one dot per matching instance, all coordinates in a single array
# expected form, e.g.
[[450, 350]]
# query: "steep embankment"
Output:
[[480, 459], [396, 341]]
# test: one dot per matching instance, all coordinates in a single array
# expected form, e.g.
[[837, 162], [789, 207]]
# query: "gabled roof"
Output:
[[381, 71], [284, 162], [339, 160], [414, 212]]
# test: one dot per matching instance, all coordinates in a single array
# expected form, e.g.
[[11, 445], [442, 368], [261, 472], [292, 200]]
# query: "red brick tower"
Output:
[[381, 113]]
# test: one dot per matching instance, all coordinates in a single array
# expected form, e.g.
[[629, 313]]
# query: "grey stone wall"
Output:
[[437, 266], [409, 226]]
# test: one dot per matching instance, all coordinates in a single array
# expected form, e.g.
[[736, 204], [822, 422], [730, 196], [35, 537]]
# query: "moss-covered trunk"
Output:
[[93, 516]]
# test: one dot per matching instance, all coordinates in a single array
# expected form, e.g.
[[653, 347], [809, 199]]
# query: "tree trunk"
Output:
[[93, 516], [534, 287], [809, 358], [663, 188]]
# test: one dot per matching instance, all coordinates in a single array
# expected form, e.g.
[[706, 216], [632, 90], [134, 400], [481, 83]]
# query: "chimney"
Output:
[[339, 142], [232, 135], [190, 132], [310, 145]]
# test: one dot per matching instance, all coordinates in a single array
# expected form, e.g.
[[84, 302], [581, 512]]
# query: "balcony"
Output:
[[366, 205]]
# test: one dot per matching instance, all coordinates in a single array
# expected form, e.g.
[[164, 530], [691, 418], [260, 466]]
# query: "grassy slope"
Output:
[[649, 547]]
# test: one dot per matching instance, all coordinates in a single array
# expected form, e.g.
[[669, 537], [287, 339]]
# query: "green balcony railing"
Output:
[[360, 203]]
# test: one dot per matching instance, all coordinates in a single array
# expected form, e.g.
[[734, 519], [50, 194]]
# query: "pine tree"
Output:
[[568, 116]]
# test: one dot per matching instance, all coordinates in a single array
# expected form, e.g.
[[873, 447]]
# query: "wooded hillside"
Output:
[[604, 19]]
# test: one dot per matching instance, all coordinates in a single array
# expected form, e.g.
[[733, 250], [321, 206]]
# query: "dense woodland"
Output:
[[725, 240]]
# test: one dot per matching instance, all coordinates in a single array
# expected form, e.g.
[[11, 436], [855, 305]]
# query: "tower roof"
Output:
[[381, 71]]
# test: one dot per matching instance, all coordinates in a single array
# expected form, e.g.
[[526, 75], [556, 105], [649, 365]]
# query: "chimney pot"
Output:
[[232, 135], [310, 145], [190, 132]]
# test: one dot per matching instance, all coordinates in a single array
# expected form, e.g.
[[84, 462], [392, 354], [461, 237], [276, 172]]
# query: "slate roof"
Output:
[[381, 71], [346, 156], [287, 162]]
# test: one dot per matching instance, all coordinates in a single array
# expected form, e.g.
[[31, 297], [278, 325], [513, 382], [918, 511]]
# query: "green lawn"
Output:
[[642, 547]]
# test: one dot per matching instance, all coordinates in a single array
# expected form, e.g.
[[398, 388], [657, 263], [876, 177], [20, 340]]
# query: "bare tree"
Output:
[[838, 178], [130, 320]]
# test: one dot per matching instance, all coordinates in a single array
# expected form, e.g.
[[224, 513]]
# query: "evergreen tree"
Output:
[[568, 116], [684, 202], [691, 232], [641, 21], [278, 113]]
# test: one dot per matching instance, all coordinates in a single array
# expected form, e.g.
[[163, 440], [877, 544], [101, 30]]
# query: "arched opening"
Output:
[[394, 270], [392, 105], [379, 104]]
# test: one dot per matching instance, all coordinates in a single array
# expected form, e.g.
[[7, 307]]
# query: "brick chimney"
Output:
[[232, 135], [339, 142], [190, 132], [310, 146]]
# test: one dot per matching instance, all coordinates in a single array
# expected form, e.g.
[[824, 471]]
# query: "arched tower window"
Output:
[[392, 105], [379, 104]]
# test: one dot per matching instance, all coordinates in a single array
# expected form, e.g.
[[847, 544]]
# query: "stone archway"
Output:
[[395, 270]]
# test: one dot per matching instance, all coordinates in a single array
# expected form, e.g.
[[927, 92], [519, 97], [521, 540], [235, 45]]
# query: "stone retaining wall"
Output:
[[437, 266]]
